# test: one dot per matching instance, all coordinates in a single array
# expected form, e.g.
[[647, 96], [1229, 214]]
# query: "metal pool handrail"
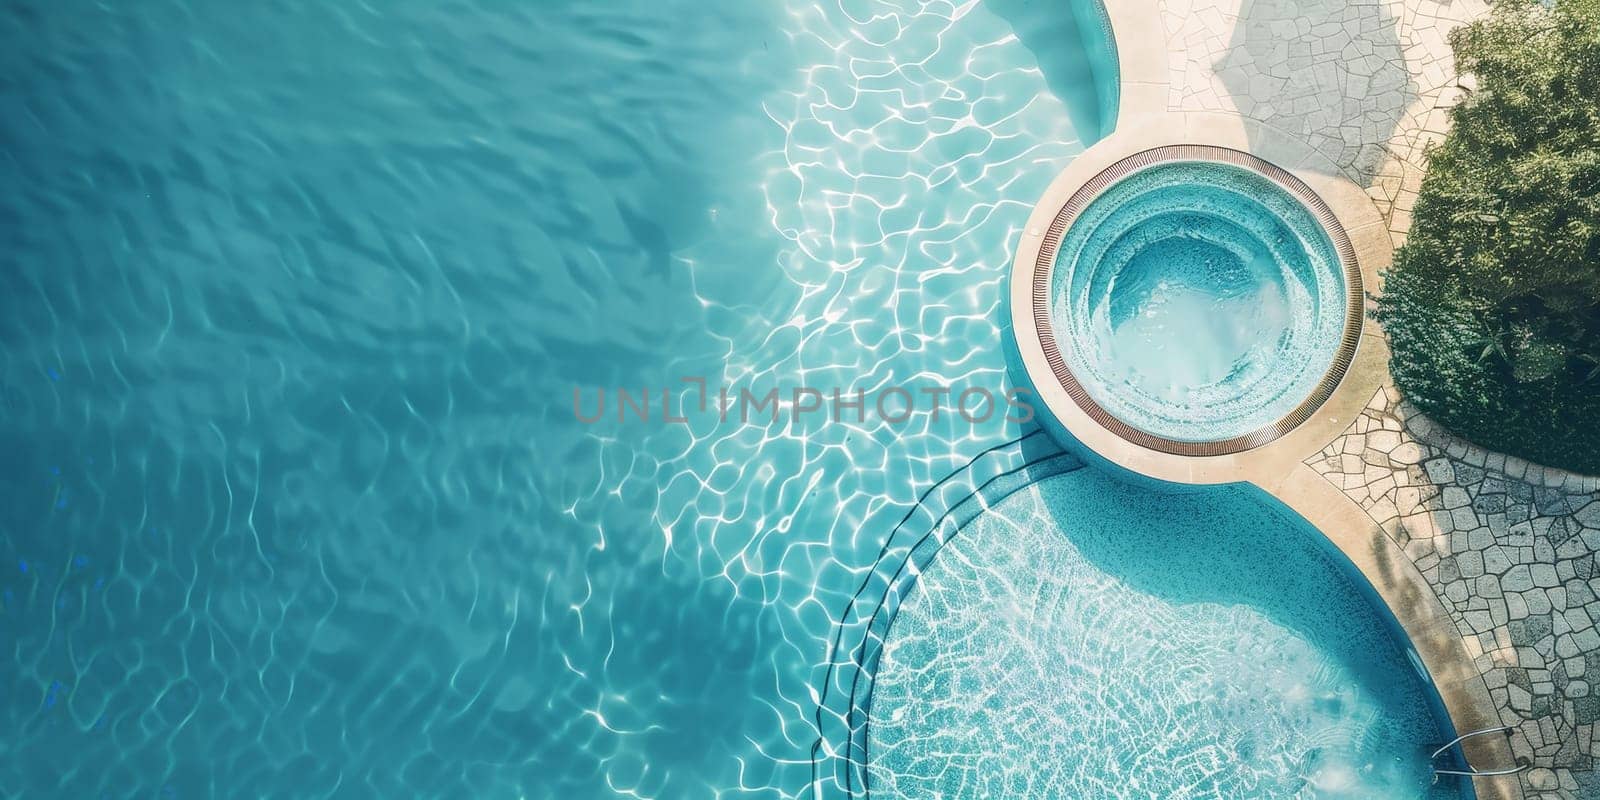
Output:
[[1472, 771]]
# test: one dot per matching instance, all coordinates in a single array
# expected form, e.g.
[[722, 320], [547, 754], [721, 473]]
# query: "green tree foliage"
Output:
[[1493, 306]]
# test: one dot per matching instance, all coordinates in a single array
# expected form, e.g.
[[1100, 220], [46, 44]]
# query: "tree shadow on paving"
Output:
[[1332, 74]]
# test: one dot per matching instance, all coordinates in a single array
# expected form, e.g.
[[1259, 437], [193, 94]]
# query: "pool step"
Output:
[[839, 755]]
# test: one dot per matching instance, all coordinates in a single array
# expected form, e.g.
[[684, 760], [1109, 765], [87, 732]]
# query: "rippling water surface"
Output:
[[295, 296], [1201, 301], [1088, 638]]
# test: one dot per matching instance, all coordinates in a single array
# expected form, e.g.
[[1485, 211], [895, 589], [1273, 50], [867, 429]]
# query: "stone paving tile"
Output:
[[1510, 549], [1367, 83]]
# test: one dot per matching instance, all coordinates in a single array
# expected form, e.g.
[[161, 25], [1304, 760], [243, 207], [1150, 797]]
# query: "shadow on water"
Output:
[[295, 500], [1230, 544], [1084, 78]]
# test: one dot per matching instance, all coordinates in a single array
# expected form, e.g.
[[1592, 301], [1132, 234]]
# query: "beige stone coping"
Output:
[[1141, 42], [1351, 206], [1425, 620]]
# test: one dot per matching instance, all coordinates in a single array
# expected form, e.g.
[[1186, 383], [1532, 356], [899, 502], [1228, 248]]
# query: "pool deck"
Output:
[[1488, 561]]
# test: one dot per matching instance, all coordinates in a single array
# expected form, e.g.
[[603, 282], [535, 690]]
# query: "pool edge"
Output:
[[1413, 603]]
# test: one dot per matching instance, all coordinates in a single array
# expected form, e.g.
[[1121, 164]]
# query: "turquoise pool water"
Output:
[[1089, 638], [295, 300], [1198, 301], [295, 297]]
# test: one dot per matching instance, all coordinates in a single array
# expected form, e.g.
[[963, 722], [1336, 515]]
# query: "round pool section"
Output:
[[1089, 638], [1197, 300]]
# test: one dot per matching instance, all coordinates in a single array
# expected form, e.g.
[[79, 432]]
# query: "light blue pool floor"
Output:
[[1089, 638]]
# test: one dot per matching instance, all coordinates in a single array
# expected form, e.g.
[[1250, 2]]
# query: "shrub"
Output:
[[1493, 305]]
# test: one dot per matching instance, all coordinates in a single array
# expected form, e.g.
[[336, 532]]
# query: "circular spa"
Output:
[[1197, 300]]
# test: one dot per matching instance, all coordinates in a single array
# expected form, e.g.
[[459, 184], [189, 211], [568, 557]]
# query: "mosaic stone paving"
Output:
[[1367, 83], [1510, 549]]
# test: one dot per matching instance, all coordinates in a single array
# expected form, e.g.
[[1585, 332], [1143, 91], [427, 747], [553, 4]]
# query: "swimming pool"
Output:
[[297, 297], [1089, 638], [1039, 627]]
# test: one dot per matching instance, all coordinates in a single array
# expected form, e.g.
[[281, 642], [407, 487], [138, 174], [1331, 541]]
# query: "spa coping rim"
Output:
[[1044, 268]]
